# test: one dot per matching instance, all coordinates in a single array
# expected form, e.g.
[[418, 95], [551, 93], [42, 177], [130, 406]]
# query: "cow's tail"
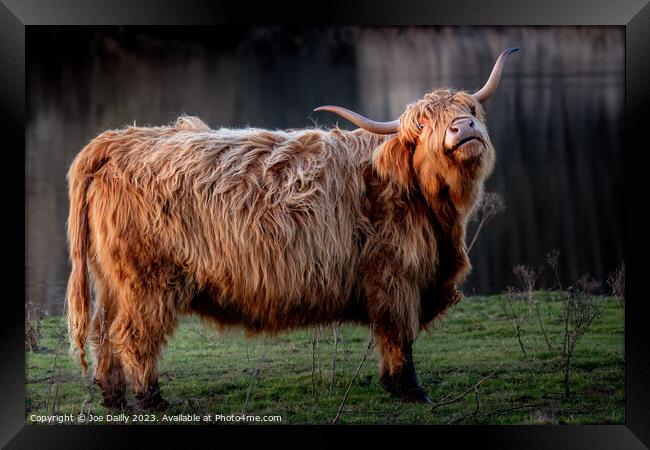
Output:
[[78, 300]]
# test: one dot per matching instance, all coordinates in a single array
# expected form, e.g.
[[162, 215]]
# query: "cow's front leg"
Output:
[[397, 371]]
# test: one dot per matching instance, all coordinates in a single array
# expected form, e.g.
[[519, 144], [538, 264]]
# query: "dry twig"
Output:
[[518, 319], [255, 373], [354, 376], [464, 394], [336, 328], [491, 204], [57, 351], [616, 281], [528, 278]]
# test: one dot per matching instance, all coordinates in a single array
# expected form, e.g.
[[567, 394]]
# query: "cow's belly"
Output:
[[272, 315]]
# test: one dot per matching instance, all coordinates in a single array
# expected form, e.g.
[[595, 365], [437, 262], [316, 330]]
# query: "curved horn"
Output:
[[362, 122], [491, 85]]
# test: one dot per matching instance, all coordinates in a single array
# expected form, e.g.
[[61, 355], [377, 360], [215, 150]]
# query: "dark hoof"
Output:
[[112, 397], [118, 402], [152, 400], [158, 406], [153, 404], [405, 391], [415, 395]]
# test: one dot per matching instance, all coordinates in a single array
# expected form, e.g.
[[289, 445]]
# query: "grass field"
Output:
[[204, 371]]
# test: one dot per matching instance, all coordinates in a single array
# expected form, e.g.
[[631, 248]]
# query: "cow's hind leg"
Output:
[[140, 330], [397, 371], [108, 375]]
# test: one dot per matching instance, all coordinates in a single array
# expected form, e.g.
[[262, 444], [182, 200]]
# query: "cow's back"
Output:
[[266, 221]]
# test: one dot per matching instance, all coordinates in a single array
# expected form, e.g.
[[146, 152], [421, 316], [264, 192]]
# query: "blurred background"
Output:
[[556, 121]]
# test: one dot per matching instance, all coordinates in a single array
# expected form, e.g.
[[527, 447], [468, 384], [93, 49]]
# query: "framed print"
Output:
[[406, 218]]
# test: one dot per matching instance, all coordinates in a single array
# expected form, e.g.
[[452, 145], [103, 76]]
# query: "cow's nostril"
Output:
[[471, 124], [453, 129]]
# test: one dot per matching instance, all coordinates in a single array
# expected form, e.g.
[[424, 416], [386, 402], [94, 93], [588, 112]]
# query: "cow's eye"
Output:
[[472, 109]]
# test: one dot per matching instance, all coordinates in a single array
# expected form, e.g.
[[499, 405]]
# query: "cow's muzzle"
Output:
[[461, 132]]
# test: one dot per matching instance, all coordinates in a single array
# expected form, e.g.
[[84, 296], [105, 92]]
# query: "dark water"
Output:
[[556, 121]]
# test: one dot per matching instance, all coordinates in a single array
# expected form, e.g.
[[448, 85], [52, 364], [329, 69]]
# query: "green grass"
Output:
[[204, 371]]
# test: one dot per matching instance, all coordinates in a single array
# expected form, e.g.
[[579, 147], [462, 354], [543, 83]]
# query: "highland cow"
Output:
[[273, 230]]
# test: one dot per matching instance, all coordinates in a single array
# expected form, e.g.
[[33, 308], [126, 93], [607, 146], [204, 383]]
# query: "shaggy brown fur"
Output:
[[270, 230]]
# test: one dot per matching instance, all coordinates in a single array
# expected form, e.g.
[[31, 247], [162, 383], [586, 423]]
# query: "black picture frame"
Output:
[[17, 15]]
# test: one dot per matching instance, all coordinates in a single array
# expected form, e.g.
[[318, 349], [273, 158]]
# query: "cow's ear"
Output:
[[392, 160]]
